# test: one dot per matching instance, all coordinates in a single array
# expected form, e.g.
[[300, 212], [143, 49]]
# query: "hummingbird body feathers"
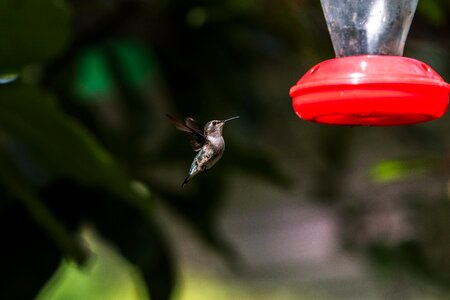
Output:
[[207, 157], [208, 142]]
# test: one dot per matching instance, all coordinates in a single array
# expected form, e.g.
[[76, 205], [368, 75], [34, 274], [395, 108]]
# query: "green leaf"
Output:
[[140, 240], [109, 276], [59, 143], [391, 170], [32, 31], [136, 235]]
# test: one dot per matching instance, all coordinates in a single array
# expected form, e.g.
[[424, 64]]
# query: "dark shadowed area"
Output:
[[91, 203]]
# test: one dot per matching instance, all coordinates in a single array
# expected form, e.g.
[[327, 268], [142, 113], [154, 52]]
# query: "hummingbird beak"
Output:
[[230, 119]]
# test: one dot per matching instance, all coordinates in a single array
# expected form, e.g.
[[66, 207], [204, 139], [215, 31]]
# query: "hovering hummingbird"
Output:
[[207, 141]]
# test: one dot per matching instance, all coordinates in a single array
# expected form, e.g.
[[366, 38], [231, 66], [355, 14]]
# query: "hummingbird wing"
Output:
[[197, 139], [195, 130]]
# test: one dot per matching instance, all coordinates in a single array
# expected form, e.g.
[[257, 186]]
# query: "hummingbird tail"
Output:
[[186, 180]]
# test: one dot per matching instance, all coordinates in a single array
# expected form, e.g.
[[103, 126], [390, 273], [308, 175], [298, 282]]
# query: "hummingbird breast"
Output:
[[212, 151], [216, 142]]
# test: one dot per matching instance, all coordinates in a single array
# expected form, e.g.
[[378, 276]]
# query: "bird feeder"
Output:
[[369, 82]]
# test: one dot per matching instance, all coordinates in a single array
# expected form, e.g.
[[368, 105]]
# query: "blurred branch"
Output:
[[61, 144], [18, 188]]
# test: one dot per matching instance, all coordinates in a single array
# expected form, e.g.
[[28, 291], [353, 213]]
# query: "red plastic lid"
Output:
[[370, 90]]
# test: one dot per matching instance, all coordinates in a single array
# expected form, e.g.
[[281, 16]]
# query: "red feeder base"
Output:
[[370, 90]]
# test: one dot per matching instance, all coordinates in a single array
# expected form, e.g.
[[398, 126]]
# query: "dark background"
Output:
[[84, 143]]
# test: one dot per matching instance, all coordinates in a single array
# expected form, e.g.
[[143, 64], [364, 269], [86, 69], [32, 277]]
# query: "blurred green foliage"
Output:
[[84, 86], [401, 169], [108, 276], [32, 31], [94, 82]]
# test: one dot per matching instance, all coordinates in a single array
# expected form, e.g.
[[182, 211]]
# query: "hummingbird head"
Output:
[[214, 127]]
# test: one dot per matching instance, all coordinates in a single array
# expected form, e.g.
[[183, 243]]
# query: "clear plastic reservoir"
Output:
[[360, 27]]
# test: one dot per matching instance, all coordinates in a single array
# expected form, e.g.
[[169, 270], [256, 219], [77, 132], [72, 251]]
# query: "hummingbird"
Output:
[[207, 141]]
